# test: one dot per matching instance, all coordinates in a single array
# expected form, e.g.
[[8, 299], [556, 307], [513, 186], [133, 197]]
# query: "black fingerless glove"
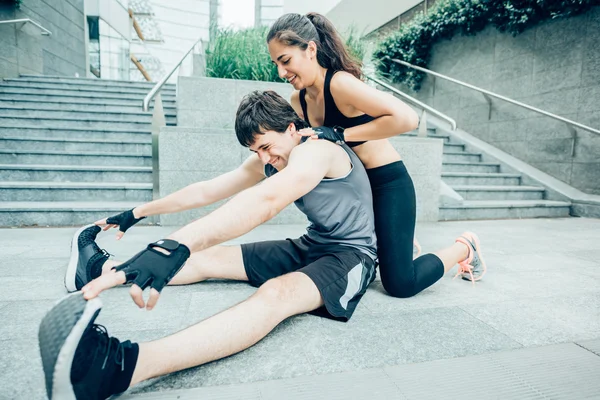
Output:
[[153, 268], [125, 220], [335, 134]]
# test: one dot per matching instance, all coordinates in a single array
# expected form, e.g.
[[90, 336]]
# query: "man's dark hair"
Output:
[[264, 111]]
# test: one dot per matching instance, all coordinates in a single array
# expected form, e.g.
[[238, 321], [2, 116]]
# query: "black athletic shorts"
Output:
[[341, 273]]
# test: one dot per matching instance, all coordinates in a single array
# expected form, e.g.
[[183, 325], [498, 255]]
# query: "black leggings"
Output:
[[395, 210]]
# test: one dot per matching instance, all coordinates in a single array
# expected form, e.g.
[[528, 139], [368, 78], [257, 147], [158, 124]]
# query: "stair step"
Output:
[[68, 123], [487, 192], [463, 156], [88, 81], [67, 144], [454, 147], [83, 87], [91, 133], [72, 213], [504, 209], [72, 101], [89, 95], [123, 108], [74, 173], [445, 138], [95, 116], [458, 166], [73, 158], [75, 191], [480, 178]]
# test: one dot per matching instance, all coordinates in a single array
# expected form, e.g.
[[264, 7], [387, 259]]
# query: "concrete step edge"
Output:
[[75, 185], [78, 87], [73, 93], [33, 102], [73, 153], [58, 206], [479, 174], [95, 129], [469, 163], [497, 188], [74, 168], [37, 78], [506, 204], [68, 140], [144, 113], [78, 119]]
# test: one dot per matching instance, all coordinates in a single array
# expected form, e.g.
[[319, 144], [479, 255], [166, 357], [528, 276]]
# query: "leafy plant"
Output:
[[244, 54], [448, 18], [354, 44], [241, 54]]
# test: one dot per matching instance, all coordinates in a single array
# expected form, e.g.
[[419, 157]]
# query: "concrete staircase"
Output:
[[490, 190], [74, 150]]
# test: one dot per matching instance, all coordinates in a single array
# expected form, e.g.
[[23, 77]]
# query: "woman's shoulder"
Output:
[[342, 81]]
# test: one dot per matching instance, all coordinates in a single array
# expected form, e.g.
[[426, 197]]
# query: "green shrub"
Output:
[[241, 55], [244, 54], [413, 42], [354, 44]]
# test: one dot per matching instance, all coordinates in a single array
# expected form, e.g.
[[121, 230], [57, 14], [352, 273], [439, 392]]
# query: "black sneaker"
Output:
[[86, 258], [80, 360]]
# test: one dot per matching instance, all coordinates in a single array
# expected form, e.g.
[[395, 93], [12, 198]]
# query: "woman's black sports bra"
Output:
[[333, 116]]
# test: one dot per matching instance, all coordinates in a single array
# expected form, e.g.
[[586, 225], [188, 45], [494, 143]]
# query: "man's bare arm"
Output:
[[307, 166], [201, 194]]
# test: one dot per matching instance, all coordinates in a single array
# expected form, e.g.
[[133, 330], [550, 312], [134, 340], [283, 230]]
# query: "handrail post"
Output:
[[158, 121], [423, 125]]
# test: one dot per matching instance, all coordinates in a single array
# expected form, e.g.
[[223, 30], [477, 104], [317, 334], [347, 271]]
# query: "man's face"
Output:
[[274, 148]]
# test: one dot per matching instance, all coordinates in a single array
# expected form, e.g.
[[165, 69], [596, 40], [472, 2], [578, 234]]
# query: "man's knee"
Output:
[[294, 291]]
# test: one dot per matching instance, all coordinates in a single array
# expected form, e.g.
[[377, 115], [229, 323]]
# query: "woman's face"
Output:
[[295, 65]]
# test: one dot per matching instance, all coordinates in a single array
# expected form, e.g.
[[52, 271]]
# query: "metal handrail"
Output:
[[412, 100], [569, 122], [159, 84], [24, 21]]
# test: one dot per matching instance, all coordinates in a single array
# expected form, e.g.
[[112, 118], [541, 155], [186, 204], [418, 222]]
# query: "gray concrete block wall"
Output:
[[26, 51], [554, 67], [189, 154], [213, 102], [426, 172]]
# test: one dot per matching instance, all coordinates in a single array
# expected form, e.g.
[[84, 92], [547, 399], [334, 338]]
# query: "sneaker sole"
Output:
[[71, 273], [59, 335]]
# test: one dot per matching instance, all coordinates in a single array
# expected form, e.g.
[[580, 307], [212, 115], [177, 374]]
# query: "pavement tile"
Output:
[[370, 341], [542, 321], [21, 373], [49, 268], [277, 356], [24, 317]]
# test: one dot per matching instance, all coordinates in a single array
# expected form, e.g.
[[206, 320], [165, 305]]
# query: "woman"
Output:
[[330, 96]]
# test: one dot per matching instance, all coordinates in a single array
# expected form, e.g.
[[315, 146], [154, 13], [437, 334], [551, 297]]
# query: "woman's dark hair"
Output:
[[264, 111], [297, 30]]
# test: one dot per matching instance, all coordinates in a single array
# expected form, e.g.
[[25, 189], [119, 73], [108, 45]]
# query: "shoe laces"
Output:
[[119, 351]]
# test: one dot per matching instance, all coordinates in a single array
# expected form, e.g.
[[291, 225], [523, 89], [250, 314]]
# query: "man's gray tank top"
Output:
[[340, 210]]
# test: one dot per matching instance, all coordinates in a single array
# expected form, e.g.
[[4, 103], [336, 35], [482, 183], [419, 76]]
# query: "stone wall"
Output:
[[203, 145], [26, 51], [553, 66]]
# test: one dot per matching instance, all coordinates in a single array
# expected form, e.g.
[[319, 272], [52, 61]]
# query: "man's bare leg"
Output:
[[230, 331], [218, 262]]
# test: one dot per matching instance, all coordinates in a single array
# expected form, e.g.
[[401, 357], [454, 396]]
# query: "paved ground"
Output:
[[531, 329]]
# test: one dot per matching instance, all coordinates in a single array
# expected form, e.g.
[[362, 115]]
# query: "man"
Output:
[[327, 269]]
